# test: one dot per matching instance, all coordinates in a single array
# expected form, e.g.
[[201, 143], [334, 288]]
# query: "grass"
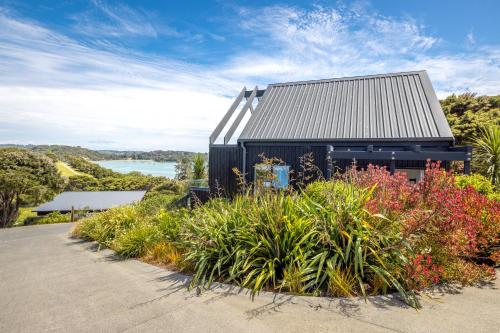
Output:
[[67, 171]]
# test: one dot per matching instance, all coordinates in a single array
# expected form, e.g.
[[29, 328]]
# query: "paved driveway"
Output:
[[51, 282]]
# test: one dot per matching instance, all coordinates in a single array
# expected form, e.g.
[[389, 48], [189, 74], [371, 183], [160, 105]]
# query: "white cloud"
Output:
[[135, 118], [471, 39], [114, 20], [334, 42], [54, 89]]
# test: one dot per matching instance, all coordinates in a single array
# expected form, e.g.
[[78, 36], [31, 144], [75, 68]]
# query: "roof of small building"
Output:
[[397, 106], [99, 200]]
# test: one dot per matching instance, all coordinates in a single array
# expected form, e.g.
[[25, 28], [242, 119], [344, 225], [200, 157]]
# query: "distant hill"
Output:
[[156, 155], [64, 152]]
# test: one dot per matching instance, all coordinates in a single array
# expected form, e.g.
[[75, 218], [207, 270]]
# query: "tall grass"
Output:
[[132, 230], [321, 241]]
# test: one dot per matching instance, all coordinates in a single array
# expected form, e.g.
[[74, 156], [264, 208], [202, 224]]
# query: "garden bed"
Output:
[[366, 233]]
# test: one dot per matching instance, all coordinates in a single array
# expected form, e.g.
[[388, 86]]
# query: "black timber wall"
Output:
[[223, 158], [291, 152], [221, 161]]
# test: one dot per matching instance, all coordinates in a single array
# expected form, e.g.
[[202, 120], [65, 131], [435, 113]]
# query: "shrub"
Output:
[[480, 183], [134, 242], [133, 230], [317, 242], [104, 227], [165, 254], [151, 205], [438, 217], [54, 217]]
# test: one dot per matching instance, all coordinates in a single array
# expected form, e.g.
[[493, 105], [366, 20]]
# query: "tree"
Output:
[[25, 177], [488, 152], [199, 170], [468, 113], [183, 168]]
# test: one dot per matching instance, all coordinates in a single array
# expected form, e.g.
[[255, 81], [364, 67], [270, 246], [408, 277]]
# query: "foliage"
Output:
[[488, 152], [440, 219], [423, 273], [364, 233], [155, 155], [183, 169], [165, 254], [134, 242], [468, 113], [98, 178], [63, 153], [54, 217], [480, 183], [83, 165], [25, 215], [65, 170], [83, 183], [133, 230], [25, 178], [199, 169], [297, 243]]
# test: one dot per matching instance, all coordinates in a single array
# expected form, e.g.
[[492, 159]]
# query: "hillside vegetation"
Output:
[[61, 152], [66, 171]]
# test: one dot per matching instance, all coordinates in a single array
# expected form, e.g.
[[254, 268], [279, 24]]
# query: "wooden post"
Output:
[[72, 214], [467, 167]]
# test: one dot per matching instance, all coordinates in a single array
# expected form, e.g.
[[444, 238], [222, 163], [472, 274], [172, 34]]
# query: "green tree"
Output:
[[25, 177], [199, 169], [183, 168], [488, 152], [468, 113], [82, 183]]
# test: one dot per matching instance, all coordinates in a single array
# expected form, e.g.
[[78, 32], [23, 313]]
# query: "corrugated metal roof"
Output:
[[385, 107], [98, 200]]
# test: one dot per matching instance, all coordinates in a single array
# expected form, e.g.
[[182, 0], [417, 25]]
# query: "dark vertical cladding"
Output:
[[290, 154], [222, 160]]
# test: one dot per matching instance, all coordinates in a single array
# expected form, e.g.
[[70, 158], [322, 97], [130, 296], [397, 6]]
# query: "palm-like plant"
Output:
[[199, 170], [488, 152]]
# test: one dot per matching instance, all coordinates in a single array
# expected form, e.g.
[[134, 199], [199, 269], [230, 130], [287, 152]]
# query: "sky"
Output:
[[161, 74]]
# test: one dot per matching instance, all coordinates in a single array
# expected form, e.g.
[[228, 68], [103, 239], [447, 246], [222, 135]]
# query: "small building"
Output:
[[393, 120], [89, 201]]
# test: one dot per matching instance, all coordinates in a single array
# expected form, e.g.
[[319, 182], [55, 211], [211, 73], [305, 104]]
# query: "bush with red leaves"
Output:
[[437, 216]]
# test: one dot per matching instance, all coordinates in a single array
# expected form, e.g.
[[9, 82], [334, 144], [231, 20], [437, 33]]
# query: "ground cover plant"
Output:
[[363, 233]]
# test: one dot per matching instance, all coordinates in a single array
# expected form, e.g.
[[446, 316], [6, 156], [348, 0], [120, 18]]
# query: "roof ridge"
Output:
[[347, 78]]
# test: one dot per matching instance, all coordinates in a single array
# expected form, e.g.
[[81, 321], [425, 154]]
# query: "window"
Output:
[[275, 176]]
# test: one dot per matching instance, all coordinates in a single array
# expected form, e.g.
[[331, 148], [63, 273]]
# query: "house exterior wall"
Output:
[[221, 161], [223, 158], [290, 153]]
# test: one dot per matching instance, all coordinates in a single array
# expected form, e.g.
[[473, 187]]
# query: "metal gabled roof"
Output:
[[98, 200], [397, 106]]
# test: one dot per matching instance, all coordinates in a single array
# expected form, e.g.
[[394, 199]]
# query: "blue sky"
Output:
[[160, 74]]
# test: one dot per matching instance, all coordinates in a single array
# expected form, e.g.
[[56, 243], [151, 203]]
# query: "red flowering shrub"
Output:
[[436, 215], [393, 193], [495, 257], [422, 272]]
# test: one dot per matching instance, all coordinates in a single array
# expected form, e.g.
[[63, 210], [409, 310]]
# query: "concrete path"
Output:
[[49, 282]]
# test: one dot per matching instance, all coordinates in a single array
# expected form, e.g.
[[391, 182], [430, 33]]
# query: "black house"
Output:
[[394, 120]]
